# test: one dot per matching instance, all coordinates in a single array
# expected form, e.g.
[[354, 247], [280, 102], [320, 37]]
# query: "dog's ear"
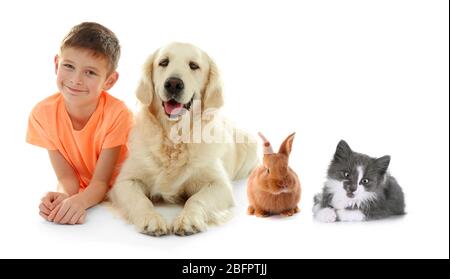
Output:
[[212, 97], [144, 92]]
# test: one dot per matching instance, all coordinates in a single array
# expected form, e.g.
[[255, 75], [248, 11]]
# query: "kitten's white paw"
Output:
[[350, 215], [316, 208], [326, 215]]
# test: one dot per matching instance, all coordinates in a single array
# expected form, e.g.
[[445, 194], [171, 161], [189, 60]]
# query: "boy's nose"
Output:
[[76, 79], [76, 82]]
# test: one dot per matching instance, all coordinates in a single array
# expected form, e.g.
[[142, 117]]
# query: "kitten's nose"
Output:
[[350, 190]]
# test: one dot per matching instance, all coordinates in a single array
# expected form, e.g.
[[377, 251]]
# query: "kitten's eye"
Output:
[[193, 66], [365, 181], [346, 174], [164, 62]]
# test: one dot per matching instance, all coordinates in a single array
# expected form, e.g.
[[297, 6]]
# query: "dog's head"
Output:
[[176, 75]]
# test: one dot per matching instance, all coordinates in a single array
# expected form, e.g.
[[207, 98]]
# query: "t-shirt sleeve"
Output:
[[37, 133], [118, 133]]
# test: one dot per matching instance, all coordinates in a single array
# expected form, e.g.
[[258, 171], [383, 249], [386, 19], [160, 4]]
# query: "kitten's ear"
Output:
[[343, 151], [382, 164]]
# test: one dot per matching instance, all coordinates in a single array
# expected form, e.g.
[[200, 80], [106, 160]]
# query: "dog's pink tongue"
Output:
[[172, 107]]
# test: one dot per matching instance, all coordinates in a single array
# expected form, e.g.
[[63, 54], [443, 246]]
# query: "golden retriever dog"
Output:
[[180, 90]]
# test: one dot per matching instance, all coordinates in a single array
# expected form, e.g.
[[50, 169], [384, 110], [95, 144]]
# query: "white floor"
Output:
[[107, 236]]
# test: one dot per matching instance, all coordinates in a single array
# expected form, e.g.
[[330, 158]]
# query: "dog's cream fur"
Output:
[[157, 168]]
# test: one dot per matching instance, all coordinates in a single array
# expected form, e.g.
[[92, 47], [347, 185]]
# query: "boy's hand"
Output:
[[49, 202], [70, 211]]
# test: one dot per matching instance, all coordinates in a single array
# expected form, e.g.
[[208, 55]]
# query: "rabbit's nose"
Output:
[[282, 184]]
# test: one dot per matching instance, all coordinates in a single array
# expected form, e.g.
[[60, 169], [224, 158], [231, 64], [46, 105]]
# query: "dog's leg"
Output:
[[211, 204], [129, 196]]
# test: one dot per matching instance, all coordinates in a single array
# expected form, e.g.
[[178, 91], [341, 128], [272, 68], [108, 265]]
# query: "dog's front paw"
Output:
[[188, 223], [152, 224], [326, 215]]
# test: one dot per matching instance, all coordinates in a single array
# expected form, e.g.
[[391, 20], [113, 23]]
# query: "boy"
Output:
[[83, 127]]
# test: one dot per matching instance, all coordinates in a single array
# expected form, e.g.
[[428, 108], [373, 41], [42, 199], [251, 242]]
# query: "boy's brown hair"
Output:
[[97, 38]]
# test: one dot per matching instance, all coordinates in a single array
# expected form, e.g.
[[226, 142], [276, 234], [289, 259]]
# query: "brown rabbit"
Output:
[[274, 188]]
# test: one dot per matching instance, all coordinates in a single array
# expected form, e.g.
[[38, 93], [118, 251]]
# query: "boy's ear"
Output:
[[111, 80], [144, 92], [56, 61]]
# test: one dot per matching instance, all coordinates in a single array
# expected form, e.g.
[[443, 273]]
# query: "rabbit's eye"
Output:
[[267, 170], [346, 174]]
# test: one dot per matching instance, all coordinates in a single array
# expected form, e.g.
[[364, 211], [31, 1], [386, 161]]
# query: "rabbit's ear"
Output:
[[266, 144], [286, 146], [144, 92]]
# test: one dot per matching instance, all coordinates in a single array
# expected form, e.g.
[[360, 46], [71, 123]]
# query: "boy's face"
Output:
[[81, 77]]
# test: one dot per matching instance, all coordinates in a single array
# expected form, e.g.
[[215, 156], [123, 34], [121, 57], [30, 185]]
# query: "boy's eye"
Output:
[[68, 66], [91, 73], [365, 181], [193, 66], [164, 62], [346, 174]]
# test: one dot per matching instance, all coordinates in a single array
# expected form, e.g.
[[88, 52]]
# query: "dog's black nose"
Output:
[[173, 85]]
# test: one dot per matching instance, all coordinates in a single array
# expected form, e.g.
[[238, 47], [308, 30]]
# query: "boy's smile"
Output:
[[74, 91]]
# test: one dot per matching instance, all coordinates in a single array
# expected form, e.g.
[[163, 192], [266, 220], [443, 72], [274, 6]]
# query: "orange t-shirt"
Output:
[[49, 126]]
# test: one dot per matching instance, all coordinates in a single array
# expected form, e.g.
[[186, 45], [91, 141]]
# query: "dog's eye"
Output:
[[164, 62], [365, 181], [193, 66]]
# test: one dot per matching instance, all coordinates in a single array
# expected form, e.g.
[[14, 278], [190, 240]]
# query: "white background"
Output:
[[374, 73]]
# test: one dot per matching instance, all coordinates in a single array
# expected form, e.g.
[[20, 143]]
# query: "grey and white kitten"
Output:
[[358, 188]]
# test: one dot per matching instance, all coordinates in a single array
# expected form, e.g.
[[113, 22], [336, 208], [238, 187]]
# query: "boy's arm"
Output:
[[64, 172], [99, 185], [72, 209]]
